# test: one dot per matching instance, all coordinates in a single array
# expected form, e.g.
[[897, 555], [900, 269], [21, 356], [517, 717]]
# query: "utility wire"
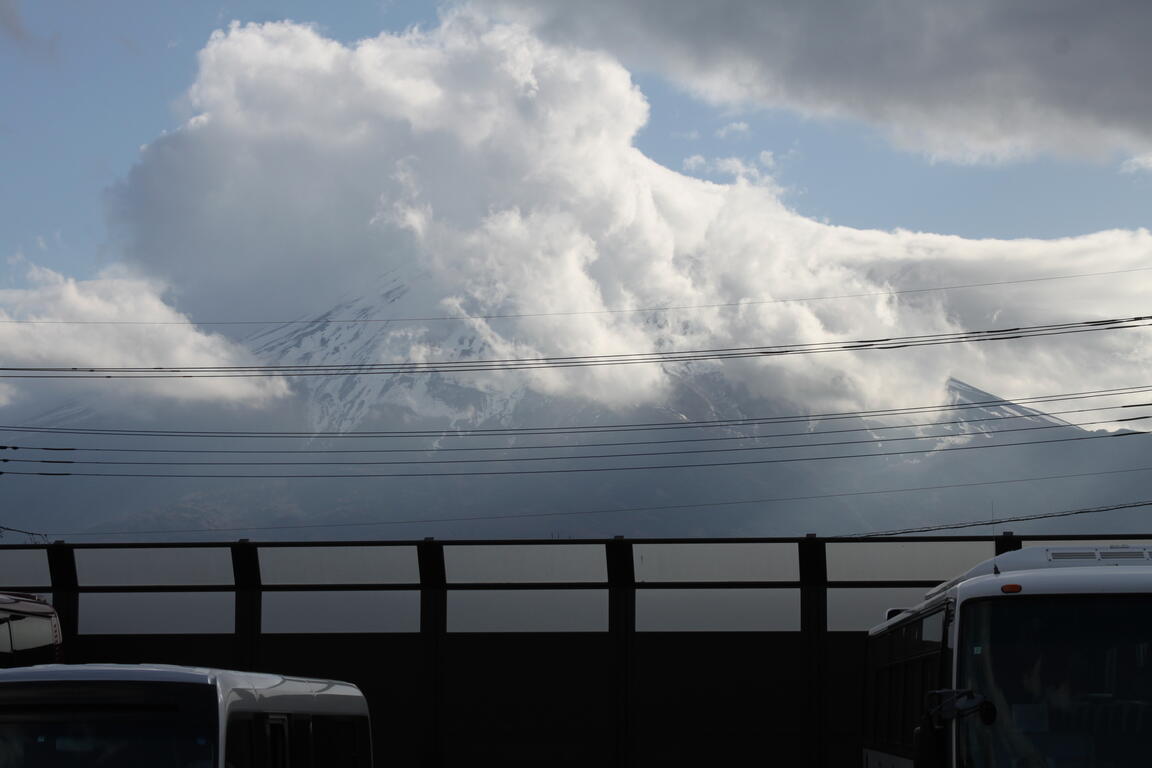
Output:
[[565, 470], [581, 512], [596, 429], [618, 444], [1002, 520], [582, 361], [521, 315], [31, 534], [506, 459]]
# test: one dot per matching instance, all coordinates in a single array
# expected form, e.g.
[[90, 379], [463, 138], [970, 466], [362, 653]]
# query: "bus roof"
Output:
[[22, 603], [1043, 558], [1046, 570], [239, 691]]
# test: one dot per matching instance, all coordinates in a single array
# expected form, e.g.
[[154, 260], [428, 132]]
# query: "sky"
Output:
[[542, 172]]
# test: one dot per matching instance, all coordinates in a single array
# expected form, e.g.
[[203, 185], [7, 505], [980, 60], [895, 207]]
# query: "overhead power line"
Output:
[[1003, 520], [522, 459], [582, 512], [611, 311], [617, 444], [577, 361], [596, 429], [557, 471]]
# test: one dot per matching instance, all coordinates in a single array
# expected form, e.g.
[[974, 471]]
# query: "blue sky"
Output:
[[95, 82]]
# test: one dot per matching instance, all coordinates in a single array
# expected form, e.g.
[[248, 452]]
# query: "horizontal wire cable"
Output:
[[581, 512], [628, 443], [9, 529], [585, 361], [565, 470], [597, 429], [1002, 520], [506, 316], [584, 457]]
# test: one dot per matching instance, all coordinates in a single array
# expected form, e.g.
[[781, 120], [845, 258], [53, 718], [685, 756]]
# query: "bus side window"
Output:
[[5, 634], [904, 663], [238, 753], [300, 741], [32, 639], [341, 741], [277, 741]]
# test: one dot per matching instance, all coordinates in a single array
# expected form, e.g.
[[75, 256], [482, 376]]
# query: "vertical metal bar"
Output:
[[622, 631], [814, 629], [65, 595], [433, 627], [1007, 542], [246, 577]]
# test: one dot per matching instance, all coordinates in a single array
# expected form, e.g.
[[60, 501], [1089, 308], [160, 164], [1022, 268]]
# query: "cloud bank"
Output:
[[476, 169], [58, 321], [494, 173], [973, 81]]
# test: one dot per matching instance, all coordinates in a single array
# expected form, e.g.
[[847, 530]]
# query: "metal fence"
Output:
[[561, 652]]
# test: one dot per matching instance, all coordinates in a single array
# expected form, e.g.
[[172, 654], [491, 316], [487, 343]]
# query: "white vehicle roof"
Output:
[[238, 691], [1047, 570], [25, 604]]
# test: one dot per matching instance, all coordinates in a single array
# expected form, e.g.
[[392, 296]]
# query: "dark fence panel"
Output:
[[528, 699], [706, 698]]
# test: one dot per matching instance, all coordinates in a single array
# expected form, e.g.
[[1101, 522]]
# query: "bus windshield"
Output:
[[1070, 677], [112, 725]]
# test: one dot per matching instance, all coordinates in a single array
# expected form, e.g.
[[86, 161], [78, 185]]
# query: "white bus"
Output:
[[29, 631], [1039, 658], [141, 716]]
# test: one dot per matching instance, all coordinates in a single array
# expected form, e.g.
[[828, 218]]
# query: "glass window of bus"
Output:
[[1070, 677], [239, 750], [905, 662], [83, 723], [341, 741], [31, 632], [300, 741], [278, 741]]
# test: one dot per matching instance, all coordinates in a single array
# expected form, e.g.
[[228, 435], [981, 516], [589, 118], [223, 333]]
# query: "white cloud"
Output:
[[975, 81], [1140, 164], [496, 173], [695, 163], [99, 304], [732, 129]]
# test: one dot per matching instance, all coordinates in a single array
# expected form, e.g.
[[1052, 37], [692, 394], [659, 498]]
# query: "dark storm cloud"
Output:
[[973, 80]]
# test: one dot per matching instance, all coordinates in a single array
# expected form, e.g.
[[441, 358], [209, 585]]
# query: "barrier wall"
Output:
[[621, 652]]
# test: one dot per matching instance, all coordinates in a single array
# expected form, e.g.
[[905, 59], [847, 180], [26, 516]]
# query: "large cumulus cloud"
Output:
[[979, 80], [495, 173]]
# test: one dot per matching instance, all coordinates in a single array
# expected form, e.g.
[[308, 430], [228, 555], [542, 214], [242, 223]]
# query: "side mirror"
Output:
[[964, 703]]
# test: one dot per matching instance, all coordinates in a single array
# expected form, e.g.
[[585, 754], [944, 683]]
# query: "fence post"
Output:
[[433, 627], [65, 594], [622, 631], [814, 629], [249, 603]]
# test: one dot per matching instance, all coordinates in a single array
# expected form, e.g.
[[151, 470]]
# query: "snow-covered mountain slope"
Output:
[[834, 476], [982, 418]]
